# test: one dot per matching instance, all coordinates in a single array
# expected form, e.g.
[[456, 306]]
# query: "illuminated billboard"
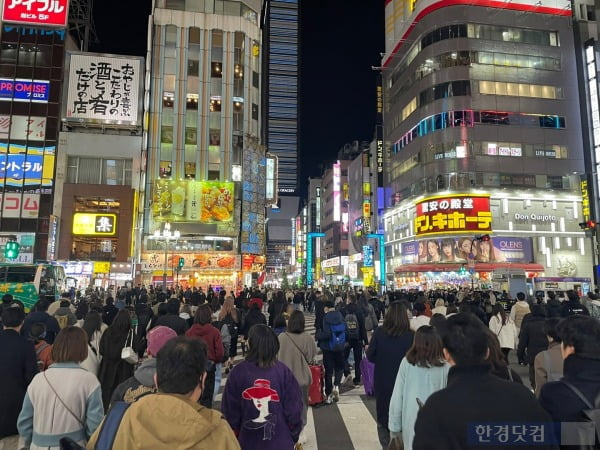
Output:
[[193, 201], [22, 165], [23, 90], [47, 13], [337, 206], [453, 214], [94, 224]]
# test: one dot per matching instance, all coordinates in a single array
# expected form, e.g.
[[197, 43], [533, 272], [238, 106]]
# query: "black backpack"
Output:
[[352, 330], [589, 419]]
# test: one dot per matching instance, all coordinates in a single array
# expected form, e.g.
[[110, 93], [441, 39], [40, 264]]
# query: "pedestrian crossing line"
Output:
[[360, 426], [310, 432]]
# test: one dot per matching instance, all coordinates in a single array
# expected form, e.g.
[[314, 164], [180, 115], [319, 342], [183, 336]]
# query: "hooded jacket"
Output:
[[211, 337], [140, 384], [174, 419], [52, 327], [324, 334]]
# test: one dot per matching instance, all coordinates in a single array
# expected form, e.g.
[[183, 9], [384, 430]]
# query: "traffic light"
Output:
[[462, 269], [589, 225], [181, 262], [11, 250]]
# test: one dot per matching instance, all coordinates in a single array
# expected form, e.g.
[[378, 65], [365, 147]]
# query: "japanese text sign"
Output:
[[453, 214], [49, 13], [104, 89], [585, 200], [92, 224], [36, 91], [22, 128]]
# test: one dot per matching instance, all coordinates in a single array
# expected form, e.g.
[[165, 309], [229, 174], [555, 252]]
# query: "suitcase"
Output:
[[316, 394], [367, 373]]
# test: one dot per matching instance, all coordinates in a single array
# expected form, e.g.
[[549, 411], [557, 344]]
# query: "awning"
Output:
[[479, 267]]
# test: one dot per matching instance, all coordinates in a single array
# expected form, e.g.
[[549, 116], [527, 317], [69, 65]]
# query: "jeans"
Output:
[[209, 388], [218, 376], [357, 352], [334, 366]]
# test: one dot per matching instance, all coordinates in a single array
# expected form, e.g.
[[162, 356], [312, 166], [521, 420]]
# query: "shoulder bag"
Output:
[[128, 354]]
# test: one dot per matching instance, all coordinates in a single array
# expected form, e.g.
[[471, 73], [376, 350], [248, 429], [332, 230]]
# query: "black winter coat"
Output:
[[475, 396], [573, 308], [352, 308], [386, 352], [553, 308], [276, 308], [109, 312], [18, 366], [113, 370], [560, 401], [175, 323], [254, 317], [532, 339]]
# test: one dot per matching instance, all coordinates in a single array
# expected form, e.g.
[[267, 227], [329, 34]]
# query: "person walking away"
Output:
[[94, 328], [40, 314], [278, 306], [504, 328], [420, 318], [297, 349], [109, 311], [369, 313], [142, 381], [64, 315], [172, 319], [62, 401], [254, 317], [262, 400], [473, 395], [332, 341], [356, 336], [279, 324], [210, 335], [319, 308], [18, 366], [43, 350], [548, 365], [519, 310], [498, 361], [553, 305], [422, 372], [580, 347], [389, 345], [532, 339], [173, 415], [573, 306], [440, 307], [113, 369], [230, 316]]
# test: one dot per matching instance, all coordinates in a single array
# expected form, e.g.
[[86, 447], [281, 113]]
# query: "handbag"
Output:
[[128, 354]]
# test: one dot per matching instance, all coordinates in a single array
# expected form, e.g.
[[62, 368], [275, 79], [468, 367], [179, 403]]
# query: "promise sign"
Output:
[[453, 214]]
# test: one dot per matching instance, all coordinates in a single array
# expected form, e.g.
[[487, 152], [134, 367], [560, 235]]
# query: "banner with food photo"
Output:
[[205, 261], [193, 201]]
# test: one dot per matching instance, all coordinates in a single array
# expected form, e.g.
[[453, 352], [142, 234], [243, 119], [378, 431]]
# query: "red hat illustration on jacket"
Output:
[[261, 389]]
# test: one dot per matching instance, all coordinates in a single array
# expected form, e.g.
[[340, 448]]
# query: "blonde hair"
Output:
[[228, 308]]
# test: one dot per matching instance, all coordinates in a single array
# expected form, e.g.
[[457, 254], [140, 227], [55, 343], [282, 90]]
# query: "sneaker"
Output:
[[336, 393], [347, 379], [329, 400]]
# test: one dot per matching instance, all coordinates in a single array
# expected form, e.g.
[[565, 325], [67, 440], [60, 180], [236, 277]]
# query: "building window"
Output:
[[83, 170], [520, 90]]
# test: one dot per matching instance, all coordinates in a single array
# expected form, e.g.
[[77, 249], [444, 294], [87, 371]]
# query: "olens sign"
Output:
[[49, 13], [453, 214]]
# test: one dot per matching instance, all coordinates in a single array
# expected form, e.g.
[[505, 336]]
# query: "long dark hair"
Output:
[[499, 309], [122, 322], [396, 321], [426, 350], [496, 357], [263, 346], [92, 323]]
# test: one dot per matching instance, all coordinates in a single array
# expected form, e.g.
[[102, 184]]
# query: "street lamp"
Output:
[[167, 235]]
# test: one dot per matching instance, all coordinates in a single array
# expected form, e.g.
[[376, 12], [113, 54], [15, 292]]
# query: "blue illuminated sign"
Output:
[[37, 91], [367, 256], [382, 271]]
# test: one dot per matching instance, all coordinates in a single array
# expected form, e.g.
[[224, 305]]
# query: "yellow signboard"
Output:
[[101, 267], [585, 200], [94, 224], [193, 201]]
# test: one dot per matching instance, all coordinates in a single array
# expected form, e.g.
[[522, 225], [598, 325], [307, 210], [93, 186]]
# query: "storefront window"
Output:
[[167, 137]]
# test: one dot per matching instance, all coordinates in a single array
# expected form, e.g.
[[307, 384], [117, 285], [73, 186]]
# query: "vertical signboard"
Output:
[[337, 206], [52, 237], [379, 155]]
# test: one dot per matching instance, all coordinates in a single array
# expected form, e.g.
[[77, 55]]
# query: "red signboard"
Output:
[[48, 13], [453, 214]]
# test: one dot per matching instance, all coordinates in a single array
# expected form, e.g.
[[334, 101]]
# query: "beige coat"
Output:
[[296, 356], [552, 363]]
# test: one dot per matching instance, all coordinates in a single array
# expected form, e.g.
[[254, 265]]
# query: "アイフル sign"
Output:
[[47, 13]]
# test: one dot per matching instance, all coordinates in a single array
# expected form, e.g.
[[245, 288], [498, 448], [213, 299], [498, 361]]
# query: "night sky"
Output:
[[341, 40]]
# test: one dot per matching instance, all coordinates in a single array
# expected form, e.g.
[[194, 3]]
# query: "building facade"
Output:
[[203, 118], [482, 100]]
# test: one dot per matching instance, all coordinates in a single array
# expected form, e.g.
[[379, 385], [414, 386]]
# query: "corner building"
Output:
[[203, 132], [482, 99]]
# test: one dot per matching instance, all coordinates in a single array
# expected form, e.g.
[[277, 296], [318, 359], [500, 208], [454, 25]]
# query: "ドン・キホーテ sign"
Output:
[[453, 214]]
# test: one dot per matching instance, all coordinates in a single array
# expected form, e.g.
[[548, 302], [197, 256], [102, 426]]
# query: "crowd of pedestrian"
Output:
[[93, 371]]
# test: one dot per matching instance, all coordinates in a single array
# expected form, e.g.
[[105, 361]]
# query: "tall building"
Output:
[[483, 130], [32, 49], [203, 109], [282, 82]]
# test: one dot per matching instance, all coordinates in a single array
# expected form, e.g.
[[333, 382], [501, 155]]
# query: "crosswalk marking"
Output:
[[309, 432]]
